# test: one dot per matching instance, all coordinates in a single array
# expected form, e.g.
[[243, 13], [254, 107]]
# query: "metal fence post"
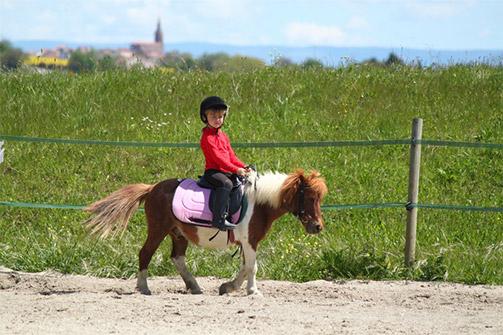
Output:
[[415, 162]]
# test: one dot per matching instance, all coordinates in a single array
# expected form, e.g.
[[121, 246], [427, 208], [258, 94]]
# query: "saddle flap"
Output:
[[191, 203]]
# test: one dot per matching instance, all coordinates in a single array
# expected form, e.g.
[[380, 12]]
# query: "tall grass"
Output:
[[462, 103]]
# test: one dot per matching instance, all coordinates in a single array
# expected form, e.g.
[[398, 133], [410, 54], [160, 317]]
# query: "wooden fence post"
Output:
[[415, 162]]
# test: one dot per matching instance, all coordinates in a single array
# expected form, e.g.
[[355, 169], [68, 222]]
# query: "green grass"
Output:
[[462, 103]]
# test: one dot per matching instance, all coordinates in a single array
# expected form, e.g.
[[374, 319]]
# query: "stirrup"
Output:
[[223, 225]]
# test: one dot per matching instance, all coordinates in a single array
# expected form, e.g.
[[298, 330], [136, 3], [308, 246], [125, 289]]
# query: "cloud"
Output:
[[215, 21], [358, 23], [142, 13], [222, 9], [301, 33], [439, 9], [485, 33], [109, 19]]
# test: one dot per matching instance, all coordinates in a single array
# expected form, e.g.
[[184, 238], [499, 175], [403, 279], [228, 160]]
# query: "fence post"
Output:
[[1, 152], [415, 162]]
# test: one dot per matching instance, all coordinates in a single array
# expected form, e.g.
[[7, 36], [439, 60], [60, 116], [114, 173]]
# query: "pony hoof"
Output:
[[198, 291], [224, 289], [144, 291], [255, 293]]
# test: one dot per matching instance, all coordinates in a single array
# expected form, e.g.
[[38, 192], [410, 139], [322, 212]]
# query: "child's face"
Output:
[[215, 117]]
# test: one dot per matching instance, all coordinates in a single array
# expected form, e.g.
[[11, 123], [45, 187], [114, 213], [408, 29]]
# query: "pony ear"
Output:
[[317, 182], [314, 175], [299, 173], [307, 177]]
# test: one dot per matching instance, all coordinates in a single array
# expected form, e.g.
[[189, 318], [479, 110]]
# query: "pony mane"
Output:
[[276, 188], [267, 188]]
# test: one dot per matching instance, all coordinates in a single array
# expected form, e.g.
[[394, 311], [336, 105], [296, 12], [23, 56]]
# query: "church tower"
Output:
[[158, 33], [150, 50]]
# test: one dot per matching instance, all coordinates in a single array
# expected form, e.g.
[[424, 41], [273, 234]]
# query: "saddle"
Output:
[[193, 202]]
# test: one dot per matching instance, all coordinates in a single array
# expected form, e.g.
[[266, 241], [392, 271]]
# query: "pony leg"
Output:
[[251, 270], [146, 253], [248, 269], [178, 257], [235, 284]]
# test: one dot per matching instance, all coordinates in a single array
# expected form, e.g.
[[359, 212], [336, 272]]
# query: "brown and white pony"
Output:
[[269, 196]]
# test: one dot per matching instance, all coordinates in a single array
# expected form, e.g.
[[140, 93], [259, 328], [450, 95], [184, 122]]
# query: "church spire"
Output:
[[158, 32]]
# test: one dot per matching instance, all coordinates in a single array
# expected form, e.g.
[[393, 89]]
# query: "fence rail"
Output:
[[314, 144], [412, 205], [409, 141], [405, 205]]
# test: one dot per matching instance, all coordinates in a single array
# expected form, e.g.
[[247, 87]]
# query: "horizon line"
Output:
[[83, 44]]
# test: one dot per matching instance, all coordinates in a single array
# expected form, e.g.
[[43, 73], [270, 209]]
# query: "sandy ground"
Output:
[[52, 303]]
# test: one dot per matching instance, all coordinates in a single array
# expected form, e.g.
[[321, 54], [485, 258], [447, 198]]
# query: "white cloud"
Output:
[[7, 5], [358, 23], [142, 14], [109, 19], [215, 21], [485, 33], [437, 9], [222, 9], [301, 33]]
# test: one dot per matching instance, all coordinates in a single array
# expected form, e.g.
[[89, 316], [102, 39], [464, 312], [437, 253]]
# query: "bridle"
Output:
[[299, 213]]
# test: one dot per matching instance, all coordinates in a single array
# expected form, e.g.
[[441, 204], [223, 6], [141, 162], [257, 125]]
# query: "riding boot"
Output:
[[221, 202]]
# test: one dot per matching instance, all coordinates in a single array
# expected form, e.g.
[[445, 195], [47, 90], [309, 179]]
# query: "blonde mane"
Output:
[[275, 188], [267, 189]]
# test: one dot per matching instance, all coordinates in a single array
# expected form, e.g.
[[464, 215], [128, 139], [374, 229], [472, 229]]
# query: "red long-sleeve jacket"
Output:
[[218, 151]]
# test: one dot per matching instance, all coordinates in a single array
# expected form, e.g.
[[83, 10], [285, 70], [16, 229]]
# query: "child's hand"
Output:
[[241, 172]]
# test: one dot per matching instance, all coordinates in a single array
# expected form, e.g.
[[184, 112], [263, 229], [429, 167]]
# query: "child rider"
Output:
[[221, 161]]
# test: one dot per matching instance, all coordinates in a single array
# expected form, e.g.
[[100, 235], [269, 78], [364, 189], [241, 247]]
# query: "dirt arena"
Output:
[[52, 303]]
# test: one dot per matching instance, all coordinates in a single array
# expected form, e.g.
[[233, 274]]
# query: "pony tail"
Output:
[[112, 213]]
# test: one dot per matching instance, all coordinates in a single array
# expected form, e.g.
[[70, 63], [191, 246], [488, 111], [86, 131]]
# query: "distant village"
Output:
[[148, 55], [145, 53]]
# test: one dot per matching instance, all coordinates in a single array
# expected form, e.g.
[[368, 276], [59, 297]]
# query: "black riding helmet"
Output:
[[211, 102]]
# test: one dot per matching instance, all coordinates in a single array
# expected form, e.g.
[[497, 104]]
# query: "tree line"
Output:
[[91, 61]]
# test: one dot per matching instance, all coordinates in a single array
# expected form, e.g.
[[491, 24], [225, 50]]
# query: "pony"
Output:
[[270, 196]]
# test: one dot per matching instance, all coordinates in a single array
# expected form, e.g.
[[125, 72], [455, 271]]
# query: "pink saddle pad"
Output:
[[192, 202]]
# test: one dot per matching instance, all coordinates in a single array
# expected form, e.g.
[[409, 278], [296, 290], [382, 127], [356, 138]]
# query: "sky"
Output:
[[421, 24]]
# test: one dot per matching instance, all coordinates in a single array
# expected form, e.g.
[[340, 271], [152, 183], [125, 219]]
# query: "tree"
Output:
[[10, 58], [80, 62], [107, 63], [241, 63], [312, 63], [4, 46], [211, 62], [282, 62], [179, 61], [393, 60], [372, 62]]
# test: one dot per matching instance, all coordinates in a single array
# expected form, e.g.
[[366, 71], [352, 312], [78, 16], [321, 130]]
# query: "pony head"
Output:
[[301, 194]]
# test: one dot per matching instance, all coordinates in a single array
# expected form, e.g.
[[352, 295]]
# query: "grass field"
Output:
[[462, 103]]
